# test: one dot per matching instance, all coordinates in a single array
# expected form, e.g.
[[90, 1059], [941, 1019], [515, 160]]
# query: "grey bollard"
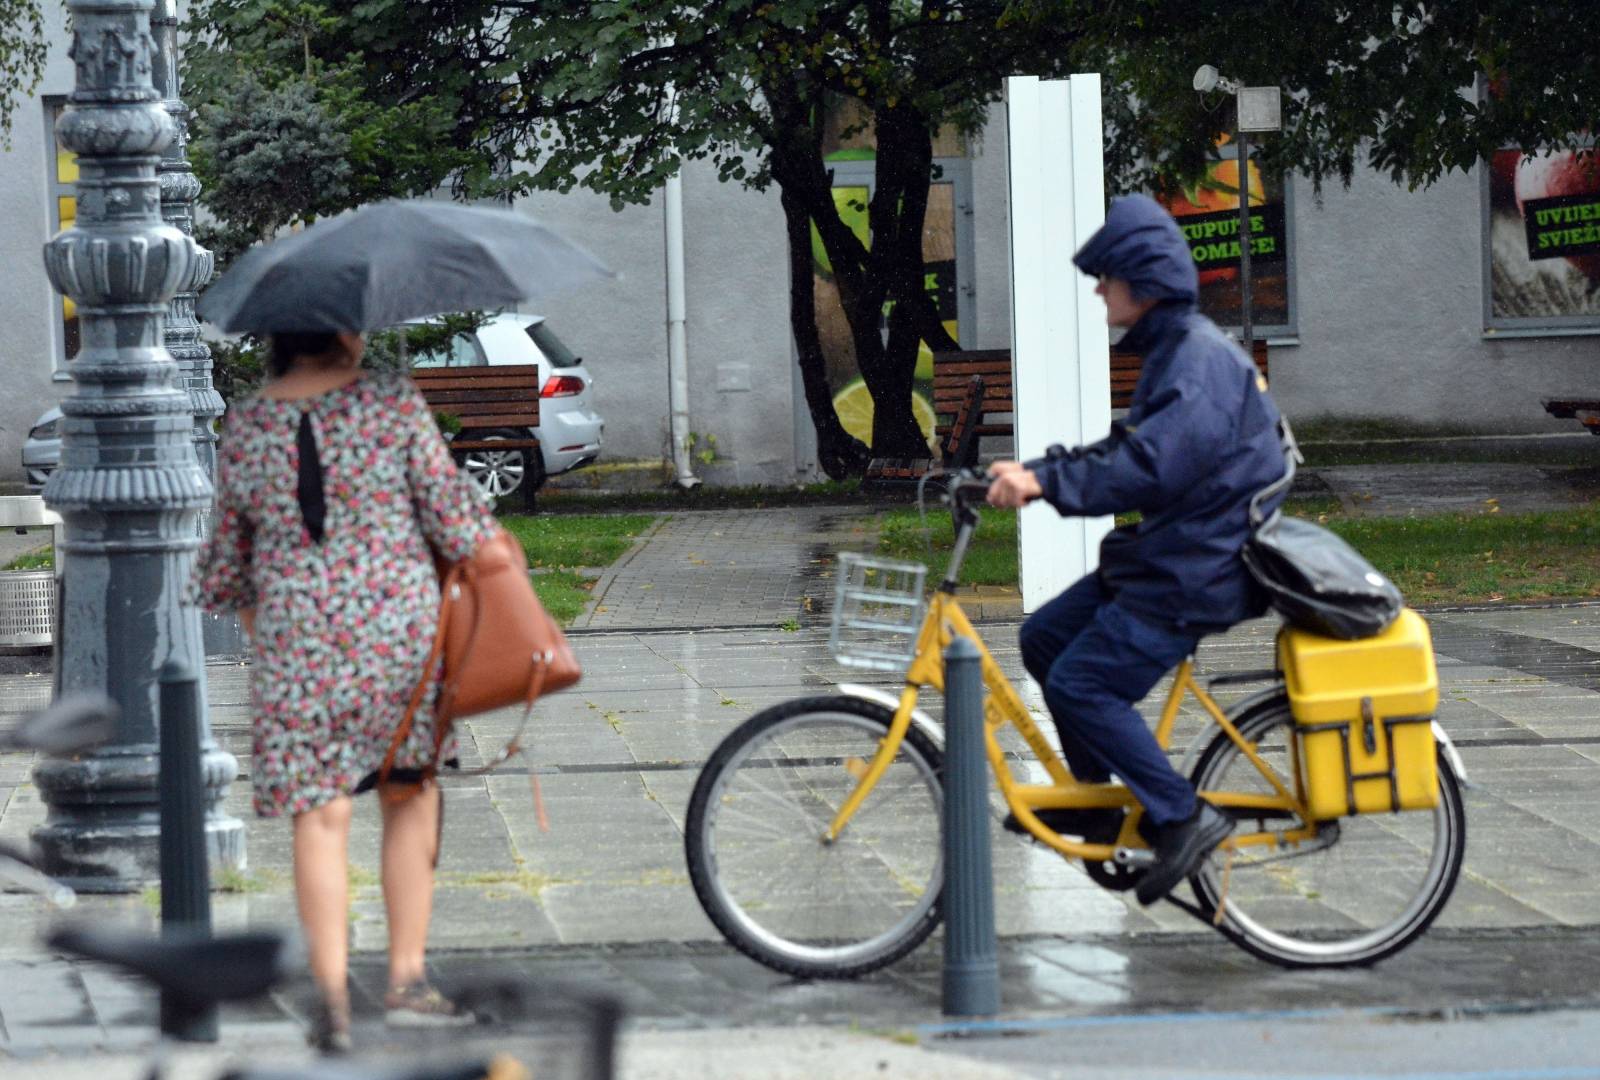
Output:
[[971, 957], [185, 879]]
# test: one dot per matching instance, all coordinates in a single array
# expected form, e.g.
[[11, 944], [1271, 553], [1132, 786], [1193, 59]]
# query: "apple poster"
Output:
[[1544, 235]]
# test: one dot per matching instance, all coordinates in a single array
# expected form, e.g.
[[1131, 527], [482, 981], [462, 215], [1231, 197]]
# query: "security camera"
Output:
[[1208, 78]]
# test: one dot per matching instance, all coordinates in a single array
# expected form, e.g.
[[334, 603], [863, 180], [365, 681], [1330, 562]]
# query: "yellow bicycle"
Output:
[[813, 839]]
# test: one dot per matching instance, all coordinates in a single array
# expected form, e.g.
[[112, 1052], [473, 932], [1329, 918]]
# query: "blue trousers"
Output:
[[1094, 661]]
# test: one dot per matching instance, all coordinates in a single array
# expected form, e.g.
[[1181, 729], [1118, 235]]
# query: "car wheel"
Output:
[[499, 473]]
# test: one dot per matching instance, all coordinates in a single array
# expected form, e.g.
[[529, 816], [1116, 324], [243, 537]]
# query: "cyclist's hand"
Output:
[[1014, 486]]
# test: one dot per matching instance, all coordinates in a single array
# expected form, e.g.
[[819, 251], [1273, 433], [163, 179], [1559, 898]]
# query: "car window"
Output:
[[554, 349], [463, 351]]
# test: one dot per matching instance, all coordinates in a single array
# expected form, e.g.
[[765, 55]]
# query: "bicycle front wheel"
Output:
[[758, 856], [1362, 889]]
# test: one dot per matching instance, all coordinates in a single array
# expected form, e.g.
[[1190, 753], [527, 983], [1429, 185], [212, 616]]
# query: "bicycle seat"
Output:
[[475, 1069], [74, 722], [192, 965]]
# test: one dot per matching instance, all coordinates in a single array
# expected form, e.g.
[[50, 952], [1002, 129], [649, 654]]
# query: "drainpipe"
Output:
[[677, 342]]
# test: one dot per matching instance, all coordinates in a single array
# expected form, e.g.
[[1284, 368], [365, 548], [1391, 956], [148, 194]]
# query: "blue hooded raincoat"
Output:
[[1200, 438]]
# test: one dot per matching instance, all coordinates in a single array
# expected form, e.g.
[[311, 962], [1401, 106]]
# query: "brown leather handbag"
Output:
[[498, 646]]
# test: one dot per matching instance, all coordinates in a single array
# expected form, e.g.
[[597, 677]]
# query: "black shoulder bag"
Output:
[[1313, 578]]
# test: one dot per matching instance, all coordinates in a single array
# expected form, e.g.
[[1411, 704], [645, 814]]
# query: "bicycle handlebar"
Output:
[[71, 724], [968, 486]]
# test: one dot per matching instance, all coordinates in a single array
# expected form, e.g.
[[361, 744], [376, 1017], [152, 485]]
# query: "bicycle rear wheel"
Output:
[[779, 892], [1364, 888]]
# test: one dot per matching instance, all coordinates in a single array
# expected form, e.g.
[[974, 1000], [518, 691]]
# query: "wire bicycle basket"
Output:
[[877, 612]]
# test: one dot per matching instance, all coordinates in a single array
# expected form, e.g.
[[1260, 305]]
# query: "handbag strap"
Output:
[[449, 590], [1291, 457], [539, 669], [536, 678]]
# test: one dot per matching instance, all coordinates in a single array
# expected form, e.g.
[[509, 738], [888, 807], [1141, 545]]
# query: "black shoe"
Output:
[[1096, 824], [1181, 848]]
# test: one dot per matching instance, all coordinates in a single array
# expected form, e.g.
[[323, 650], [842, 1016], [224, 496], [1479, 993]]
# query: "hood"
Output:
[[1142, 245]]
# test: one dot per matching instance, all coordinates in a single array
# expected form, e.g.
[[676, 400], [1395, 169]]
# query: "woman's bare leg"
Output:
[[322, 891], [410, 851]]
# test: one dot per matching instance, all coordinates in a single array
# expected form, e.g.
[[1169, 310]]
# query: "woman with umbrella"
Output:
[[334, 491]]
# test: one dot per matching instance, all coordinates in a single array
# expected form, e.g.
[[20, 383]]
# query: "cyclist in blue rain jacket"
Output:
[[1200, 438]]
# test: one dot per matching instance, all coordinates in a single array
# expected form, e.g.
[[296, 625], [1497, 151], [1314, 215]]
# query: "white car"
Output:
[[570, 431]]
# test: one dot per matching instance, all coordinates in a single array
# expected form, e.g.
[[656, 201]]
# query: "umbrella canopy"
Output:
[[393, 261]]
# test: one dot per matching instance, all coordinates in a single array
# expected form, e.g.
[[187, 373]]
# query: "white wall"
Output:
[[1391, 316], [30, 311], [737, 323]]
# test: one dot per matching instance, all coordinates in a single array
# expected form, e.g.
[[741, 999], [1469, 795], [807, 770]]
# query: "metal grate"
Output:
[[27, 607], [877, 612]]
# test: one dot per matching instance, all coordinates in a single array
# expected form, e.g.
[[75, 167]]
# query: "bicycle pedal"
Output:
[[1134, 858]]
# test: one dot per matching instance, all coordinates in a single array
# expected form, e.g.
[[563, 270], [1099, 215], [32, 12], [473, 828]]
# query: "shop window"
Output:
[[1541, 237]]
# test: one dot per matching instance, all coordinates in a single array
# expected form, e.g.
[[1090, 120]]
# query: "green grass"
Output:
[[34, 560], [1440, 559], [991, 558], [562, 593], [557, 543], [1471, 558], [571, 540], [554, 545]]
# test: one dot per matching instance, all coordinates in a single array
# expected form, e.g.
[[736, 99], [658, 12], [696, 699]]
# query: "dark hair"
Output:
[[286, 347]]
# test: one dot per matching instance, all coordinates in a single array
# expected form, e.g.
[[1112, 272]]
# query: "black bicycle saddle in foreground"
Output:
[[194, 966]]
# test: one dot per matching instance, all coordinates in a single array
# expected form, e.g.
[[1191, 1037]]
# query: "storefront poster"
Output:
[[1208, 213], [1544, 238]]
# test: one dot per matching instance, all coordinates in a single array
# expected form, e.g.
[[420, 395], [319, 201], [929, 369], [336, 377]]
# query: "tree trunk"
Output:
[[890, 275], [838, 452], [897, 214]]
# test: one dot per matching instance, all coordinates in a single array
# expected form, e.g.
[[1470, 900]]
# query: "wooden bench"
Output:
[[951, 370], [488, 399], [958, 449], [1585, 410]]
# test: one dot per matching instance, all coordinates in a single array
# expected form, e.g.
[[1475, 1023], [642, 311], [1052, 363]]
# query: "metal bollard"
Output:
[[185, 879], [971, 957]]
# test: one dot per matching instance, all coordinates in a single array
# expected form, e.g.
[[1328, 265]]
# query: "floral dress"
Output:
[[344, 623]]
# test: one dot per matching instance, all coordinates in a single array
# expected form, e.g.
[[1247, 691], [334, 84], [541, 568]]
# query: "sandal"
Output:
[[330, 1029], [422, 1006]]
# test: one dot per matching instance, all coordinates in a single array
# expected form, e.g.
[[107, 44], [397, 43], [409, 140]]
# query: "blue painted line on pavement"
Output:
[[1058, 1023], [1061, 1023], [1580, 1072]]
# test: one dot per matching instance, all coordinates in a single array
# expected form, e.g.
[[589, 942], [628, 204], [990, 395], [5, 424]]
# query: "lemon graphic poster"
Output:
[[851, 399]]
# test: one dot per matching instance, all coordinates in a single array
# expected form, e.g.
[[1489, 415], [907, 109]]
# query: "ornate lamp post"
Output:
[[178, 191], [179, 188], [129, 487]]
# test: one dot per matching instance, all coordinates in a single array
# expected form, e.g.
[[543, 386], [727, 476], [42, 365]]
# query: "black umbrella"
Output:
[[393, 261]]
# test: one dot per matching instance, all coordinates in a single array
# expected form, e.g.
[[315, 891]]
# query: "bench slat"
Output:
[[477, 382], [465, 409], [488, 393], [436, 374], [500, 419], [952, 372], [493, 444]]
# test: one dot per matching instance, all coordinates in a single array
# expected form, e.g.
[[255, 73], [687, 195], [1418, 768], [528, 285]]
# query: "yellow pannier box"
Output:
[[1364, 712]]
